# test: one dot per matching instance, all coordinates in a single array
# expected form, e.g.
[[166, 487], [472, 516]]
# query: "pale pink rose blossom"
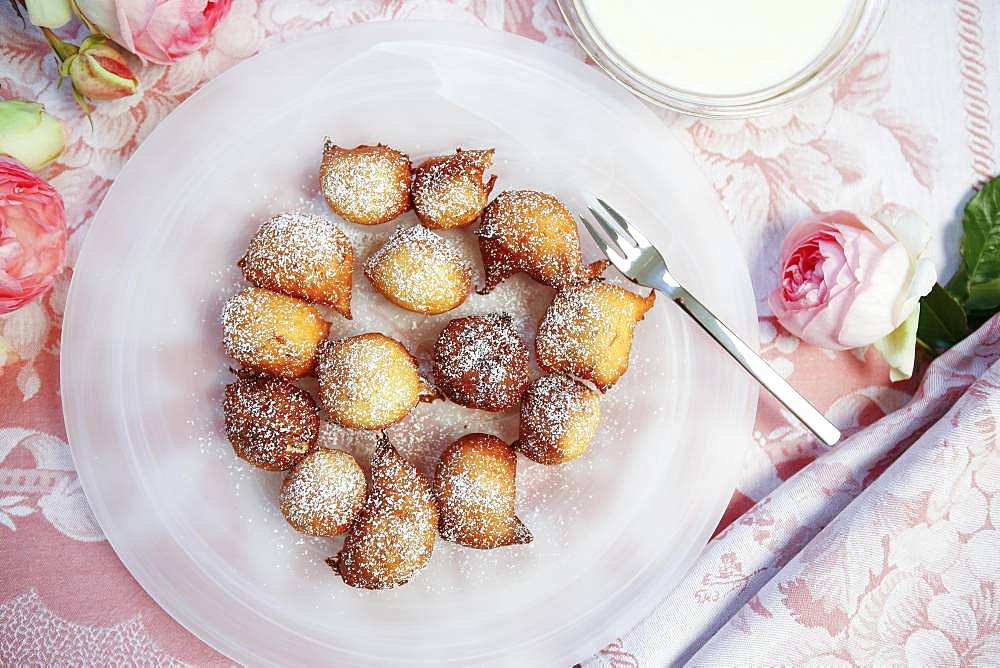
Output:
[[32, 235], [160, 31], [848, 282]]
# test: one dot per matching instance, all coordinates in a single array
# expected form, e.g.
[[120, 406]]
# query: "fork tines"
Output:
[[617, 238]]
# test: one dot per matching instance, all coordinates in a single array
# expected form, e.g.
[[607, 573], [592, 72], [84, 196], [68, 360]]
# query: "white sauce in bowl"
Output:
[[718, 47]]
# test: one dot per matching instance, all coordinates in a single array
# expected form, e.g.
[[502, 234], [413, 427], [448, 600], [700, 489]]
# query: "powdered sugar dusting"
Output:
[[475, 488], [429, 428], [300, 254], [271, 331], [323, 493], [437, 277], [368, 381], [271, 423], [478, 496], [448, 191], [551, 499], [367, 185], [559, 416], [550, 403], [481, 362], [586, 329], [533, 232], [393, 536]]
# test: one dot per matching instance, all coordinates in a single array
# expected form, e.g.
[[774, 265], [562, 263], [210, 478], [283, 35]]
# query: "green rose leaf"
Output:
[[958, 286], [943, 322], [981, 248], [984, 296], [978, 318]]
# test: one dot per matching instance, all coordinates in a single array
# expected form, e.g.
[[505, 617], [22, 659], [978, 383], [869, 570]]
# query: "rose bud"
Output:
[[49, 13], [99, 72], [849, 282], [29, 134], [32, 235]]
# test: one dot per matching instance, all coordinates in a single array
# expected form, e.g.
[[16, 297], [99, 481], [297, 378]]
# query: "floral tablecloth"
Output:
[[912, 122]]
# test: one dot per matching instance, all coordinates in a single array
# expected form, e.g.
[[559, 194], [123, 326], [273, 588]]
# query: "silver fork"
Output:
[[641, 263]]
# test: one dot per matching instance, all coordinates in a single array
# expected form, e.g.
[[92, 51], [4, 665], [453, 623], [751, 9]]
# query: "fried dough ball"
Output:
[[271, 423], [420, 271], [529, 231], [474, 488], [367, 185], [304, 256], [448, 190], [369, 381], [324, 493], [481, 362], [587, 331], [559, 416], [393, 535], [272, 332]]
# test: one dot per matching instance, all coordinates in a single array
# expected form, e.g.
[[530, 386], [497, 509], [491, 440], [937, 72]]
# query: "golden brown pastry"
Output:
[[529, 231], [448, 190], [587, 331], [393, 536], [367, 185], [559, 416], [272, 332], [270, 422], [369, 381], [474, 488], [323, 493], [304, 256], [481, 362], [420, 271]]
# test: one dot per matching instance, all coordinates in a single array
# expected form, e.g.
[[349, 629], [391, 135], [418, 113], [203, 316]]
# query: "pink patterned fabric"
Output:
[[881, 551], [847, 555]]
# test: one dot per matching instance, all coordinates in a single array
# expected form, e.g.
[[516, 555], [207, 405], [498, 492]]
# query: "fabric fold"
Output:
[[805, 572]]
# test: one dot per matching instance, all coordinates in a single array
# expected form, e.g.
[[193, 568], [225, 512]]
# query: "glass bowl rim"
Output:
[[849, 43]]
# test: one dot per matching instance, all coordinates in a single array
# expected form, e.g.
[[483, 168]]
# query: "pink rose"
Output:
[[848, 282], [32, 235], [158, 30]]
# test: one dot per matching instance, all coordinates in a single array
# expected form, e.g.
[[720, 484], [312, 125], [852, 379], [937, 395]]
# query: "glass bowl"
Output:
[[847, 44]]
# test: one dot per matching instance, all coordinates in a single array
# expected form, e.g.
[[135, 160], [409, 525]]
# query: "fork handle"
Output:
[[772, 381]]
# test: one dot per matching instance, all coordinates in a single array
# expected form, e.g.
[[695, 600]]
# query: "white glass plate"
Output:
[[143, 367]]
